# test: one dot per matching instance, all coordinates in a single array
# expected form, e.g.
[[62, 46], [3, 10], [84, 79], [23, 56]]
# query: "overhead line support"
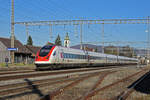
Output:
[[12, 32], [73, 22]]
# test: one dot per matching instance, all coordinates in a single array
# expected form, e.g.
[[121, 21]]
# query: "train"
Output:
[[53, 57]]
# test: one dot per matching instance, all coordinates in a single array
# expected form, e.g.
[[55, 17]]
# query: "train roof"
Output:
[[71, 50]]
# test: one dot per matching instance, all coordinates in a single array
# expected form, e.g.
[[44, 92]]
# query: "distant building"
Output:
[[22, 55], [88, 49], [67, 41], [111, 50]]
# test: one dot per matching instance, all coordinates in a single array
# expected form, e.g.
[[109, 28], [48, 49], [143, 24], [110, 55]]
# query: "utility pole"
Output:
[[148, 39], [102, 37], [12, 31], [27, 31], [51, 37], [133, 53], [118, 50], [81, 46]]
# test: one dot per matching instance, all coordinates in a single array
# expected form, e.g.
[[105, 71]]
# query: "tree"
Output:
[[29, 41], [58, 41]]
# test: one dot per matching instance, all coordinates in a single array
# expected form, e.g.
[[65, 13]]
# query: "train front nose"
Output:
[[44, 54]]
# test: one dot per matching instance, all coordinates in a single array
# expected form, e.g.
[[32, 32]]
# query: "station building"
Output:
[[23, 54]]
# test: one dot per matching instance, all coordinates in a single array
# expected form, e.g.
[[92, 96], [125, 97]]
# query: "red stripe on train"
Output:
[[46, 58]]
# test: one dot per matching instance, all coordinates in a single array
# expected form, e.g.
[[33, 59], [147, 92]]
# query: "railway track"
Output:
[[125, 94], [14, 90], [39, 74], [7, 91], [60, 90], [96, 91], [33, 74], [93, 91], [16, 72]]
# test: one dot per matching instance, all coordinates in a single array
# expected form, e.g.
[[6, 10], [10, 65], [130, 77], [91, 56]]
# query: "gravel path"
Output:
[[81, 89], [47, 77]]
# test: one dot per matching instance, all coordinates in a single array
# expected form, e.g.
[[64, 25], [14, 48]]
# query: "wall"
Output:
[[3, 53]]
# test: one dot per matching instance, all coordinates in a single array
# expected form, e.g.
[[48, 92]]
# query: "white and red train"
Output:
[[52, 56]]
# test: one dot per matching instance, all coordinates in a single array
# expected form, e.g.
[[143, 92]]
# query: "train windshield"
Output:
[[45, 50]]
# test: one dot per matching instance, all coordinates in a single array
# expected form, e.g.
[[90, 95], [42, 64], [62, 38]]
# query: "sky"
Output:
[[44, 10]]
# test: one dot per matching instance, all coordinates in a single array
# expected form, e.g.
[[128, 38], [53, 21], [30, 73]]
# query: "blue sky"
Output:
[[37, 10]]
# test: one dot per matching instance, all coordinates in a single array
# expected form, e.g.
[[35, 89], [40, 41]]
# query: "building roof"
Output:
[[33, 49], [18, 44], [49, 43]]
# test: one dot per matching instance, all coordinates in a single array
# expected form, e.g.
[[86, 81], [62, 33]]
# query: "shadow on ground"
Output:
[[142, 86], [34, 90]]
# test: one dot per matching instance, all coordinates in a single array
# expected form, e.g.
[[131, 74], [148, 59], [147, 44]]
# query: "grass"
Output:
[[2, 65], [16, 64]]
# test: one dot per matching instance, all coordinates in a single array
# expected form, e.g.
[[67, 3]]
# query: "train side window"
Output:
[[82, 57], [64, 55], [71, 56], [54, 53], [76, 56], [67, 55]]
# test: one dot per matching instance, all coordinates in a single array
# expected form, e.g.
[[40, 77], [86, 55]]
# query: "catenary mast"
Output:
[[12, 31]]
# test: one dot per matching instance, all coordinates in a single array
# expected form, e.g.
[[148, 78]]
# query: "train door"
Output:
[[57, 56], [54, 57], [61, 56], [117, 61], [87, 57], [106, 60]]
